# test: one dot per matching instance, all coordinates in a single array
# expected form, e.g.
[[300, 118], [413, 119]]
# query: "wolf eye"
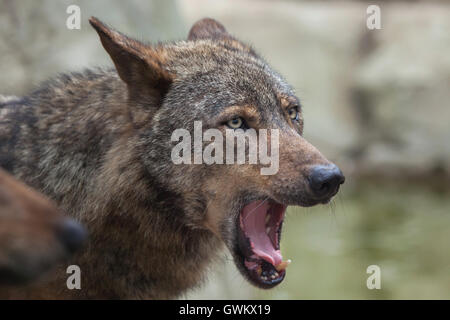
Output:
[[236, 123], [293, 113]]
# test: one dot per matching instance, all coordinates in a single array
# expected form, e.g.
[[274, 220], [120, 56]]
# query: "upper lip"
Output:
[[302, 200]]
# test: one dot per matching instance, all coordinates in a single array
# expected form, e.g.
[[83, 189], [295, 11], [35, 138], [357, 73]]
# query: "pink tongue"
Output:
[[254, 226]]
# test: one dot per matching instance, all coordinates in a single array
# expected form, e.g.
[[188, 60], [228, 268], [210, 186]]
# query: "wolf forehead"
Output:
[[209, 71]]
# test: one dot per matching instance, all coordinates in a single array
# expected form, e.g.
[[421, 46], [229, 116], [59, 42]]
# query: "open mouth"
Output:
[[260, 225]]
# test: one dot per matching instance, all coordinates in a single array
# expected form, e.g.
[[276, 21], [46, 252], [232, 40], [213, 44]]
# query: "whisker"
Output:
[[333, 211], [208, 204], [342, 205]]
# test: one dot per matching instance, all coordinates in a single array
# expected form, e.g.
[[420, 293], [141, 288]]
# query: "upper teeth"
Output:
[[267, 218]]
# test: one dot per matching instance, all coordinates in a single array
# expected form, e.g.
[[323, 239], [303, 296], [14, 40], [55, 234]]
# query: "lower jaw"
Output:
[[267, 278]]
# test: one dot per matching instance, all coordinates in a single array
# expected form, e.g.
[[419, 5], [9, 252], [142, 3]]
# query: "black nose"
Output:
[[71, 234], [325, 181]]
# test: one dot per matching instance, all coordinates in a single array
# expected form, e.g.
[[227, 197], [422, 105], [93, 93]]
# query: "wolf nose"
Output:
[[71, 234], [325, 180]]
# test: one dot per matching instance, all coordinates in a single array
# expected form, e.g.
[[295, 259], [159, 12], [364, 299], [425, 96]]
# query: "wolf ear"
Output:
[[211, 29], [207, 29], [138, 65]]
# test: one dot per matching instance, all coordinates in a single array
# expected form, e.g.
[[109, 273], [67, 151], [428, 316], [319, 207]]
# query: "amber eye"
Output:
[[293, 113], [236, 123]]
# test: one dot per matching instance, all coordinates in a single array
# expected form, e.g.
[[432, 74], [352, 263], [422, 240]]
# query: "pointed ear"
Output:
[[138, 65], [207, 29]]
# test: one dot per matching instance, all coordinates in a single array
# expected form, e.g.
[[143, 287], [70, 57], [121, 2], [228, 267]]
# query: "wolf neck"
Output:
[[141, 232], [139, 246], [171, 251]]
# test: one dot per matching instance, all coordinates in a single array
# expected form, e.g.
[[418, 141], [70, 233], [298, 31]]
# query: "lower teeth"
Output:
[[272, 276]]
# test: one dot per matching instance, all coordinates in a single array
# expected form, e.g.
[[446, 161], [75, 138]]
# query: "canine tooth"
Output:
[[283, 265], [267, 230], [267, 218]]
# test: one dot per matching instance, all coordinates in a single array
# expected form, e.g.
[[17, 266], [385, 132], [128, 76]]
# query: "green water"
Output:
[[403, 229]]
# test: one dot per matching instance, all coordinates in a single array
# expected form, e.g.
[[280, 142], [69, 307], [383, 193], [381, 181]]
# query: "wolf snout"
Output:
[[325, 180], [71, 234]]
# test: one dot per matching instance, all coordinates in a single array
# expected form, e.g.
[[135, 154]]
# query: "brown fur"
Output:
[[31, 233]]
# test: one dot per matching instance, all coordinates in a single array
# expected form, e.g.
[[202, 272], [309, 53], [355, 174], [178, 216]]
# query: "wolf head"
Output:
[[214, 85], [34, 235]]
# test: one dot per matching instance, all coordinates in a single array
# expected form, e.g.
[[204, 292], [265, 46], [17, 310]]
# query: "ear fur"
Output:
[[207, 28], [210, 29], [140, 66]]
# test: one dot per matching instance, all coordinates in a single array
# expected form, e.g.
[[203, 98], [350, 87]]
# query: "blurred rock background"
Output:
[[376, 102]]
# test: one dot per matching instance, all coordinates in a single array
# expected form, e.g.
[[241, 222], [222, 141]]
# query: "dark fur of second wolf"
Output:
[[98, 143]]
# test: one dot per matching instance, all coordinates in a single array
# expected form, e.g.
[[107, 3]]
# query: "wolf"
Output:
[[99, 143], [34, 235]]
